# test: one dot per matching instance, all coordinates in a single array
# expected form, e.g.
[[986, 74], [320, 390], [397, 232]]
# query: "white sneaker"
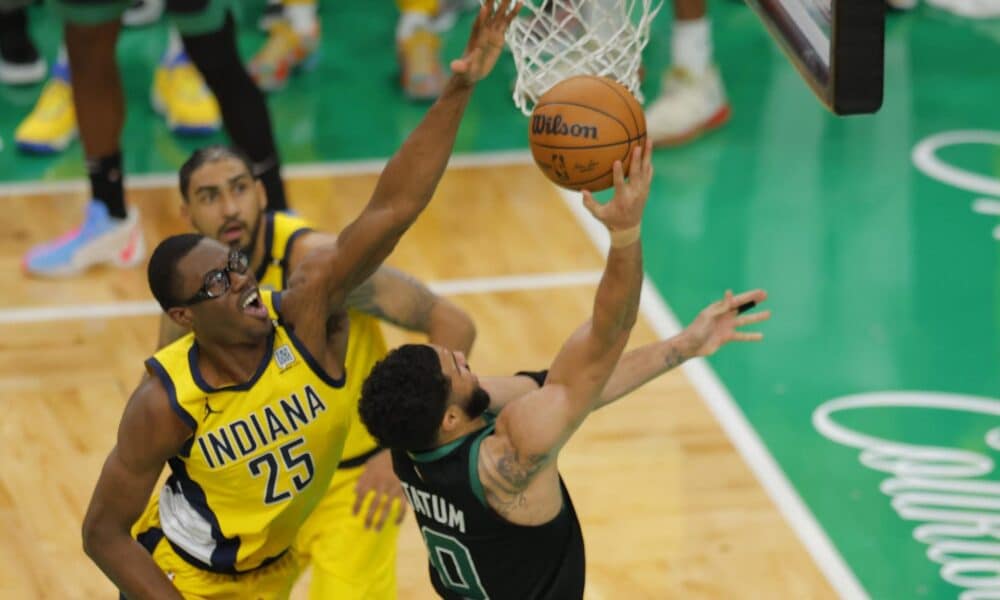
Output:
[[687, 107]]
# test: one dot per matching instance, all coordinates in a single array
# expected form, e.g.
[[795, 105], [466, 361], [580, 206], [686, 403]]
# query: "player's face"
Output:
[[465, 389], [226, 203], [233, 313]]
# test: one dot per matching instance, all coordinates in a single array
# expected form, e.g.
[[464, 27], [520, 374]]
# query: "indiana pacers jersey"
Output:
[[366, 344], [261, 456]]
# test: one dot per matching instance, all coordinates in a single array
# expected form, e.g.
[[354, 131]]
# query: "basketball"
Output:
[[580, 127]]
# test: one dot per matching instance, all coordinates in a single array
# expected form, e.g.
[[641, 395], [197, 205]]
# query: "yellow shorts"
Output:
[[349, 562], [272, 582]]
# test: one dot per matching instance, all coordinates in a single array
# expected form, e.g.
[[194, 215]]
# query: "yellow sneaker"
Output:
[[51, 125], [181, 96], [285, 51], [421, 73]]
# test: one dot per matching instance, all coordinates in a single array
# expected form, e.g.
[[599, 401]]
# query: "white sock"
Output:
[[302, 18], [691, 45], [410, 22], [174, 46]]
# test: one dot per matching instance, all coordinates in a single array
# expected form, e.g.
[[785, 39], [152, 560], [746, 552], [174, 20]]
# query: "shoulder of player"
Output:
[[151, 417]]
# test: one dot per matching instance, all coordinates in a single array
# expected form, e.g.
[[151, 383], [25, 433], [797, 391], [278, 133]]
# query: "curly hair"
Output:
[[404, 398]]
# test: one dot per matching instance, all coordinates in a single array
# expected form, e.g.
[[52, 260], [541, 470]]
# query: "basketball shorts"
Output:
[[270, 582], [349, 562], [191, 17]]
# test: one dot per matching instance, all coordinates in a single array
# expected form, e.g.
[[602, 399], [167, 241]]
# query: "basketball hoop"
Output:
[[563, 38]]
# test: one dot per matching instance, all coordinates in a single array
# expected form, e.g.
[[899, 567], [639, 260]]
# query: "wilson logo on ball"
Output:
[[556, 126]]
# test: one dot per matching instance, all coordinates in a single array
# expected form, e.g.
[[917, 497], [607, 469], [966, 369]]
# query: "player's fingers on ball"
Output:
[[618, 174], [402, 512]]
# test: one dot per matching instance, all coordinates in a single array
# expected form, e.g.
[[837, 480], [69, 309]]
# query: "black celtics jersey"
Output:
[[475, 553]]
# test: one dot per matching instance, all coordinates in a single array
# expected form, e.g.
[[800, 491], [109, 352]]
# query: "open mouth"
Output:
[[251, 305], [232, 234]]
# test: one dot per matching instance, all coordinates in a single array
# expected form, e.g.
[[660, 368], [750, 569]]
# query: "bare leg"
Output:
[[97, 87]]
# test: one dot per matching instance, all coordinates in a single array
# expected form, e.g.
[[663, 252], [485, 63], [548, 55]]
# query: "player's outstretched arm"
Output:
[[411, 175], [149, 434], [536, 426], [715, 326], [401, 299]]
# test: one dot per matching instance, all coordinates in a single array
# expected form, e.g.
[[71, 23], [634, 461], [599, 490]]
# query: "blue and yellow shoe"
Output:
[[99, 240], [181, 96], [51, 126]]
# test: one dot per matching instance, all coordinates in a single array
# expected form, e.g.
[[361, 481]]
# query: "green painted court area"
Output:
[[882, 264]]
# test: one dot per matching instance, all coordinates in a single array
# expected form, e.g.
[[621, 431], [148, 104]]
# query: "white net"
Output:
[[563, 38]]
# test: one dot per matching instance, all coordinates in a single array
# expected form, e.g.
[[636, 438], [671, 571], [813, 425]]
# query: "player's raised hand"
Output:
[[624, 212], [719, 322], [486, 40]]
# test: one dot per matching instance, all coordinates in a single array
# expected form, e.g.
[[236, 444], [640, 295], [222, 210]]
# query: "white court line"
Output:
[[736, 426], [986, 206], [451, 287], [318, 170]]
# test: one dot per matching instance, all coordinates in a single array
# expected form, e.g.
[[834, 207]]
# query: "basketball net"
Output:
[[564, 38]]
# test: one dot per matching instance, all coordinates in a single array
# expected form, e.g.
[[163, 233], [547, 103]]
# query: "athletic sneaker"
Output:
[[181, 96], [20, 63], [285, 51], [688, 106], [421, 74], [51, 125], [99, 240]]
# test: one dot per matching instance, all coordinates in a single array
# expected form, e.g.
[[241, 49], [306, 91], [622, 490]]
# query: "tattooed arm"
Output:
[[403, 300], [715, 326]]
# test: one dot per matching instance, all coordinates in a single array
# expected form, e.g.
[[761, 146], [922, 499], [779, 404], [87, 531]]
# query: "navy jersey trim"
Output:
[[208, 389], [317, 369], [157, 369], [268, 240], [288, 252], [474, 481], [226, 548], [150, 538]]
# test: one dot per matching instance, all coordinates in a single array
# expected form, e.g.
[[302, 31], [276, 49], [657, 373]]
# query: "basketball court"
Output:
[[851, 454]]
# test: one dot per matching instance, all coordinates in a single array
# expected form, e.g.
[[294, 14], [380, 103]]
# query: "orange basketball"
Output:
[[581, 126]]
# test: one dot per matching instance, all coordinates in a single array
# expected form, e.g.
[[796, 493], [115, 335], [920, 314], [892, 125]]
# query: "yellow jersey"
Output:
[[262, 453], [366, 344]]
